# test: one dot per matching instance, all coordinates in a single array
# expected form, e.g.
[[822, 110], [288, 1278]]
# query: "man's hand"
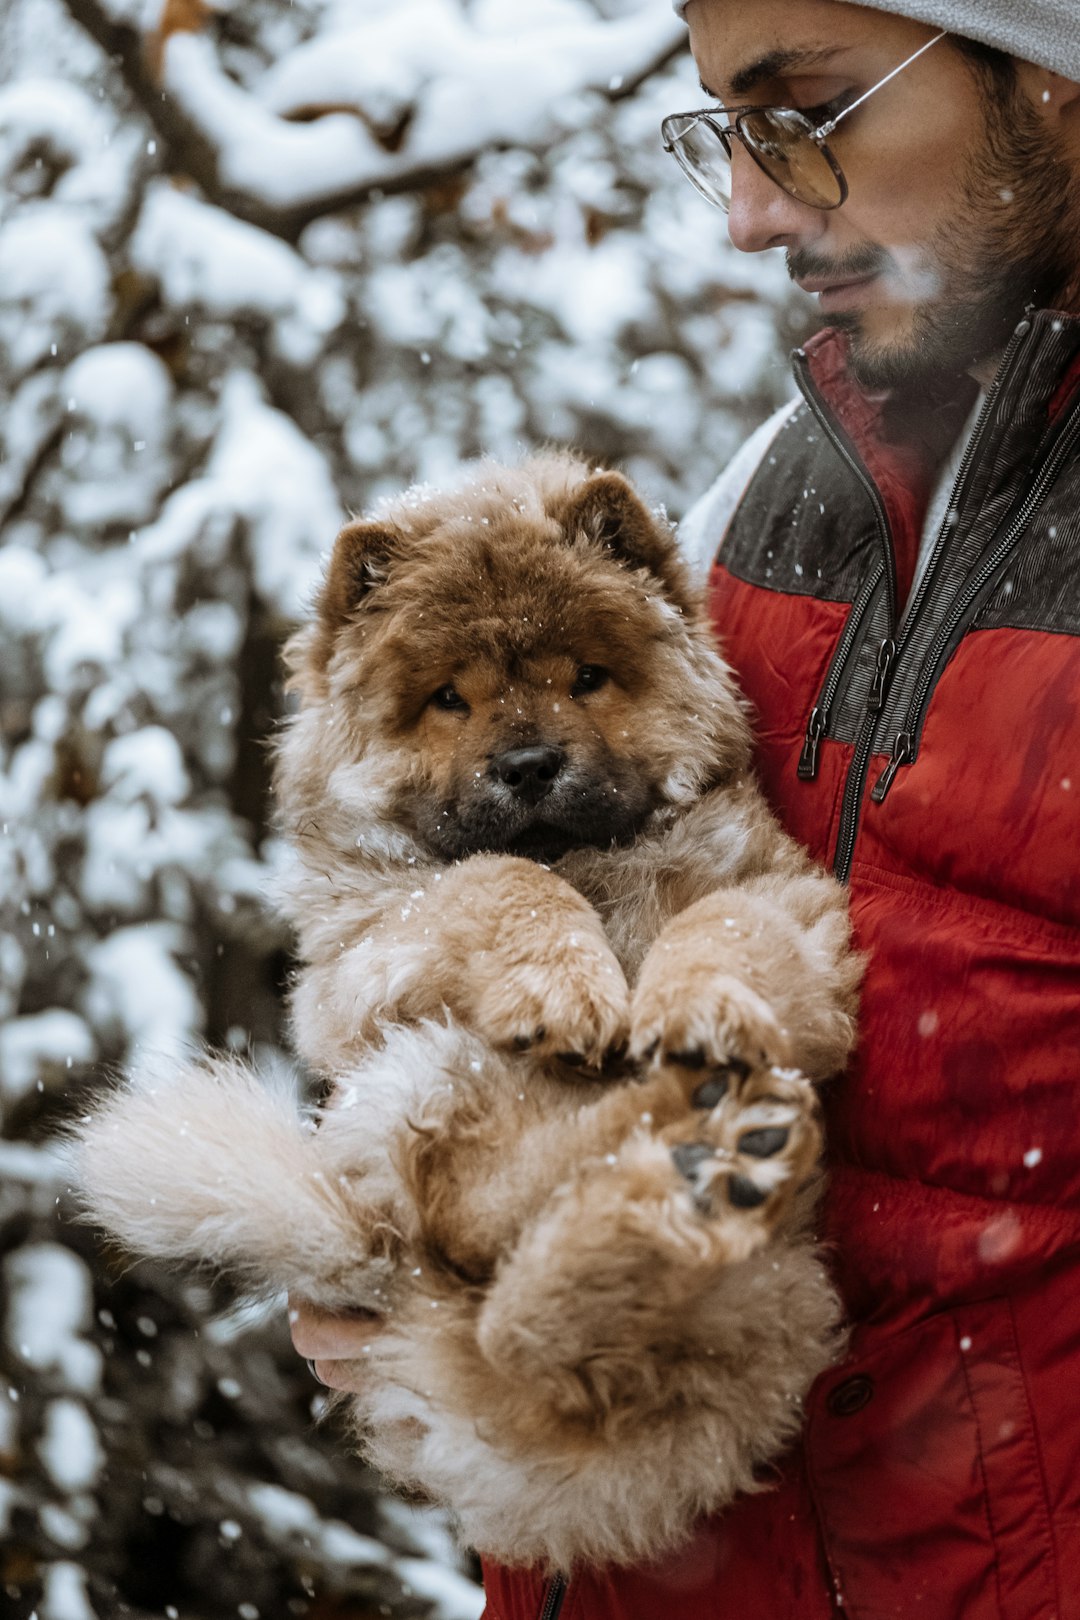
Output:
[[332, 1341]]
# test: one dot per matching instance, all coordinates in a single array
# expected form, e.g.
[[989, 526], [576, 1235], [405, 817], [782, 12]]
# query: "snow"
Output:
[[33, 1046], [205, 259], [147, 763], [49, 1308], [33, 1166], [283, 1512], [69, 1447], [115, 461], [342, 1545], [266, 471], [466, 87], [454, 1597], [63, 1527], [64, 1597], [137, 985], [46, 121], [9, 1428], [121, 385], [88, 620], [288, 1516], [54, 287], [594, 293]]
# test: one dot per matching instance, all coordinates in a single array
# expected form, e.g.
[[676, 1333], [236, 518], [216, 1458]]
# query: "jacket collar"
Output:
[[1037, 381], [1038, 377]]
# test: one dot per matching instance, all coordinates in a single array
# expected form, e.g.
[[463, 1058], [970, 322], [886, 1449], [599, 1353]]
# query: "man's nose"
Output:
[[763, 215]]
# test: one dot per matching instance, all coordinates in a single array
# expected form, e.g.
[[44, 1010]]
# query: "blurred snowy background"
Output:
[[261, 263]]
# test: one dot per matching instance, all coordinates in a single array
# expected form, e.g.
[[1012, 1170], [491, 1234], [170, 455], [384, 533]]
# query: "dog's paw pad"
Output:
[[763, 1142], [711, 1092], [689, 1157], [698, 1165], [745, 1194], [727, 1077]]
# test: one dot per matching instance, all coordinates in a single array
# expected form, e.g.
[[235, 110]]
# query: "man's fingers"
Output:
[[322, 1335], [336, 1375]]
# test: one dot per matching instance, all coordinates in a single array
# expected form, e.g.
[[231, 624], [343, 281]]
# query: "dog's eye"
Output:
[[448, 697], [588, 679]]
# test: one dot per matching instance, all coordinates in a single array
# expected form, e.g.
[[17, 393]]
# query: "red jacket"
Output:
[[936, 763]]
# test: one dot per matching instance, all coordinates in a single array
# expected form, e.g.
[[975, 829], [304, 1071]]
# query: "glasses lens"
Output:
[[701, 153], [781, 142]]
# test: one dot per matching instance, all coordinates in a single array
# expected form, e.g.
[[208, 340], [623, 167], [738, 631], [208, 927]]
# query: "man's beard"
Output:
[[1011, 243]]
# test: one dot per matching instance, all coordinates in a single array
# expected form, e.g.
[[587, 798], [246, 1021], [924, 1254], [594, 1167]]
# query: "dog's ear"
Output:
[[606, 508], [358, 564]]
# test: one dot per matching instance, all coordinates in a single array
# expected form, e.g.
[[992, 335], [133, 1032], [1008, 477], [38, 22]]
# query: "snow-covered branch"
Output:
[[405, 98]]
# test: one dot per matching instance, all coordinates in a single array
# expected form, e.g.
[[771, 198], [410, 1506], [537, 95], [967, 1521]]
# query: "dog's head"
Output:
[[519, 666]]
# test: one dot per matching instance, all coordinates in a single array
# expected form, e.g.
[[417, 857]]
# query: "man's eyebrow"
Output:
[[772, 65]]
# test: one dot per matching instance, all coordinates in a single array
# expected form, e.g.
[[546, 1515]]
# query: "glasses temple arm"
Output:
[[825, 130]]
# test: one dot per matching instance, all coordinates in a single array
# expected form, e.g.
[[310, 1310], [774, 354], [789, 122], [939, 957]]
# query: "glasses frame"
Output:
[[819, 134]]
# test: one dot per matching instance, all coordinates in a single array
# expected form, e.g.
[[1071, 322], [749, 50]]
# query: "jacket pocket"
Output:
[[926, 1476]]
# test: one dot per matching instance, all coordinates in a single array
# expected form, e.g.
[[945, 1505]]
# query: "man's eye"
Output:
[[823, 111], [448, 697], [589, 678]]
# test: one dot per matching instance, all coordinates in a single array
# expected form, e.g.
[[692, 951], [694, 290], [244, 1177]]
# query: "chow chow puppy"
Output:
[[573, 988]]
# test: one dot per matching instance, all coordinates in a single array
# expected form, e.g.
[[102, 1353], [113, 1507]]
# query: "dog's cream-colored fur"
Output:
[[573, 1026]]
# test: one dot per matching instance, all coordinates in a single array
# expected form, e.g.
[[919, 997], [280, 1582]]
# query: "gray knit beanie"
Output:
[[1042, 31]]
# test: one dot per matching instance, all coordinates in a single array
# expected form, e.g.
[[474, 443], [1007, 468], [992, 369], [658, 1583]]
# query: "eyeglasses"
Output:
[[783, 142]]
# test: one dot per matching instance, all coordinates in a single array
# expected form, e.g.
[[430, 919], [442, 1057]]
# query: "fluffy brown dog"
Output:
[[527, 840]]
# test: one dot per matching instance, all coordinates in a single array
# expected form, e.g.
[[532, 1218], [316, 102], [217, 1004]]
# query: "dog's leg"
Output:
[[700, 1176], [509, 949], [759, 974]]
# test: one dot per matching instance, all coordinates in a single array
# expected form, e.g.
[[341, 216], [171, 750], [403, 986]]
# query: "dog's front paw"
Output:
[[693, 1015], [568, 999]]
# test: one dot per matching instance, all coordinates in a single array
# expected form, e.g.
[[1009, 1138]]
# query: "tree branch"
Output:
[[279, 174]]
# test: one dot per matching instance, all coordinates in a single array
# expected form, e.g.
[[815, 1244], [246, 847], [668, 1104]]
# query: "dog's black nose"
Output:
[[528, 772]]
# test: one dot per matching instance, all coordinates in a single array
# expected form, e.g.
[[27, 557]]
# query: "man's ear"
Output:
[[606, 508], [1050, 93], [358, 564]]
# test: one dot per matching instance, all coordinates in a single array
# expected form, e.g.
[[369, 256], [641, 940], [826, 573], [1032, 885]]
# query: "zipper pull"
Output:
[[903, 753], [815, 730], [886, 655]]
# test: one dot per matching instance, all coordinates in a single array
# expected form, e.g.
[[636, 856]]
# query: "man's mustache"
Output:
[[806, 265]]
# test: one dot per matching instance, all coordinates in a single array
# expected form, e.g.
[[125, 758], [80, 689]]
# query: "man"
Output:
[[896, 587]]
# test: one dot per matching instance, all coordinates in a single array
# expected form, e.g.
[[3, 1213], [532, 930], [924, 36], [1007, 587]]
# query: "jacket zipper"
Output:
[[857, 771], [889, 651], [952, 630], [553, 1598], [817, 726]]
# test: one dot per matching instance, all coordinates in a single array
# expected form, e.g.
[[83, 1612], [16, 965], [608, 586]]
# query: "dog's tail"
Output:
[[207, 1163]]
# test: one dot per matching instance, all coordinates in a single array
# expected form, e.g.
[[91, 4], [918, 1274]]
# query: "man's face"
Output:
[[962, 204]]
